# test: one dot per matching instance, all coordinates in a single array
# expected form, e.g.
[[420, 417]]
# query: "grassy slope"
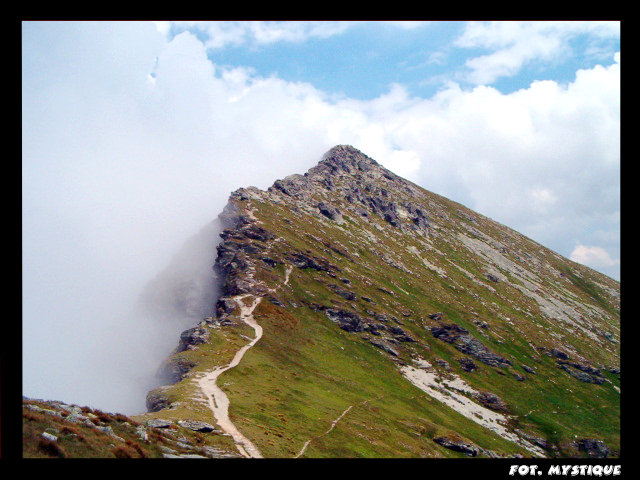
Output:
[[305, 371]]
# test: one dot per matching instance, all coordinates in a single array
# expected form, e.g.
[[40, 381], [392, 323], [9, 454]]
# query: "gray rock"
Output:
[[492, 401], [159, 423], [330, 211], [192, 337], [559, 354], [593, 447], [463, 341], [467, 364], [348, 321], [347, 295], [302, 260], [76, 418], [383, 346], [173, 370], [580, 374], [225, 306], [457, 445], [196, 425], [49, 436], [183, 455], [443, 363], [157, 400], [142, 433]]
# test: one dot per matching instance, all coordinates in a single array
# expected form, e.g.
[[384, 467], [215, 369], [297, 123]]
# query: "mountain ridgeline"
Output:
[[359, 315]]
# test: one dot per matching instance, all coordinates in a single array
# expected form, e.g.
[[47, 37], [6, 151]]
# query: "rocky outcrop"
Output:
[[174, 369], [157, 400], [384, 346], [302, 260], [594, 448], [582, 372], [197, 425], [330, 212], [370, 253], [466, 343], [467, 364], [458, 445], [159, 423], [192, 337], [492, 401]]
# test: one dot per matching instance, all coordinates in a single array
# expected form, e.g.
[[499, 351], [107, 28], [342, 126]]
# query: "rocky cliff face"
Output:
[[398, 323]]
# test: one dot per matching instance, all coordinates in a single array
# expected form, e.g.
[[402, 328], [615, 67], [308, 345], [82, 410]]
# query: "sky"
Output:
[[135, 133]]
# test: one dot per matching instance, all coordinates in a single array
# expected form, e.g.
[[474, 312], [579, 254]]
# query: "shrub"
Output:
[[51, 448], [136, 446], [123, 452]]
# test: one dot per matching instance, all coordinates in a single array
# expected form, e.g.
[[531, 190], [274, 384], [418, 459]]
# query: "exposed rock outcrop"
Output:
[[457, 445], [594, 448], [466, 343]]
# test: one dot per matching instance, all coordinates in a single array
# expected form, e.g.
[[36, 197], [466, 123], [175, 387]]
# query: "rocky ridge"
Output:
[[410, 275]]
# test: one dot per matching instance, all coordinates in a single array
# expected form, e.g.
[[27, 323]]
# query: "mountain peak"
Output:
[[352, 269], [344, 159]]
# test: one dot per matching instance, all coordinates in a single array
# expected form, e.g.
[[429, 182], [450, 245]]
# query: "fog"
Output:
[[122, 183], [132, 142]]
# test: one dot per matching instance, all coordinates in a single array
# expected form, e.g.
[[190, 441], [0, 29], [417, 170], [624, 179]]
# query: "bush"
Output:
[[51, 448], [123, 452], [136, 446]]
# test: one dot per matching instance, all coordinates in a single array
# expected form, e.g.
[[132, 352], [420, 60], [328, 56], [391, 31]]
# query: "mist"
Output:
[[122, 183]]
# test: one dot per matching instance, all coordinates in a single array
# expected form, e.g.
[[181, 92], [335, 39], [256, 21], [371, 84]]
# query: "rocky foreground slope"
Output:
[[393, 322]]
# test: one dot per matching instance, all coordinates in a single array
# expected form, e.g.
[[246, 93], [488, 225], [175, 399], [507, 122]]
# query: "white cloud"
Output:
[[515, 44], [221, 34], [542, 199], [595, 257]]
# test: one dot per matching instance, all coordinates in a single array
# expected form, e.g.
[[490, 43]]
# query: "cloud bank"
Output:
[[133, 140]]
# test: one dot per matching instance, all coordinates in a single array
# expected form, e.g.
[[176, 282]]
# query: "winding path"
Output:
[[216, 398], [333, 424]]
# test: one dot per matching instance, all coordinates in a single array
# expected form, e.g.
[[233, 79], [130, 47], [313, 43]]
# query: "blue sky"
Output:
[[135, 133], [366, 57]]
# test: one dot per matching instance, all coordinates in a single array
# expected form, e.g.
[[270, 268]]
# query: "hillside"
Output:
[[356, 314], [369, 317]]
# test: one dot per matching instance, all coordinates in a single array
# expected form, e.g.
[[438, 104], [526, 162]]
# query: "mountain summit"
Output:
[[360, 315]]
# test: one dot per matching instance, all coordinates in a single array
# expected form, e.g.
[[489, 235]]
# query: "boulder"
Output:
[[559, 354], [192, 337], [157, 400], [174, 369], [463, 341], [196, 425], [347, 295], [467, 364], [159, 423], [348, 321], [593, 447], [225, 306], [49, 437], [492, 401], [330, 212], [457, 445], [383, 346], [581, 374], [302, 260]]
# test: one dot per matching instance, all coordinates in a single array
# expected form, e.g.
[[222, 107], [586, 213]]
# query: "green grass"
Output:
[[305, 371]]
